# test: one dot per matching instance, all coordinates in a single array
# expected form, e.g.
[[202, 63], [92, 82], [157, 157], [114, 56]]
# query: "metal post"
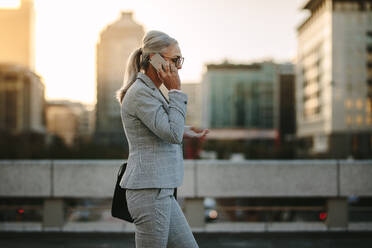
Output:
[[53, 213], [194, 211], [337, 213]]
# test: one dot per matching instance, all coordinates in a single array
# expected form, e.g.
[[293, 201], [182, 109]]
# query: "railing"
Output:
[[55, 180]]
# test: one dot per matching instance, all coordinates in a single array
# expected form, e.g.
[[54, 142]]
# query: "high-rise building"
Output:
[[22, 100], [116, 43], [17, 34], [333, 78]]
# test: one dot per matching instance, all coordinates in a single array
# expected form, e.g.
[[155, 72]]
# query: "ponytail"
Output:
[[133, 67]]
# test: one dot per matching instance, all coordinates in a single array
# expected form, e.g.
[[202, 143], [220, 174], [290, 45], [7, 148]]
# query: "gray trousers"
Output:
[[158, 219]]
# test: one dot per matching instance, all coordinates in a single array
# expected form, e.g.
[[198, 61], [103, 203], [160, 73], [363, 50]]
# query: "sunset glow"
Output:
[[67, 33], [10, 4]]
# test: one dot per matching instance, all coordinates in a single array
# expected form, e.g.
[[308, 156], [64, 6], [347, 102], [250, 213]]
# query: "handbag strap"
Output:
[[122, 169]]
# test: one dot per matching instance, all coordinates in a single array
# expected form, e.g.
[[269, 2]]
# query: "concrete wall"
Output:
[[203, 178]]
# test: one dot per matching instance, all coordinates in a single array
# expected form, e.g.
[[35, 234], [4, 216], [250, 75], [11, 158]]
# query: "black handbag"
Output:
[[119, 208]]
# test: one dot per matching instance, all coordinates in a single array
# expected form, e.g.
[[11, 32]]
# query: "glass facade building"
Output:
[[240, 96]]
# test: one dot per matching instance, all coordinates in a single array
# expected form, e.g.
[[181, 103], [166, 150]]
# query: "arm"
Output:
[[167, 126]]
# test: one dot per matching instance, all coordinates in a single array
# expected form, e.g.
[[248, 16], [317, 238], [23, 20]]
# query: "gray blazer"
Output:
[[154, 130]]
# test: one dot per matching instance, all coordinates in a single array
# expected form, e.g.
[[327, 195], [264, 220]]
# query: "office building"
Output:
[[334, 79], [115, 44], [22, 100], [240, 96], [17, 29]]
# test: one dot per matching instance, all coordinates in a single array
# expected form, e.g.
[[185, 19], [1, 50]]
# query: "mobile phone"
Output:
[[157, 61]]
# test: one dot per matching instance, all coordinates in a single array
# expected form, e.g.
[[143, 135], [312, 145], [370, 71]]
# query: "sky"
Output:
[[242, 31]]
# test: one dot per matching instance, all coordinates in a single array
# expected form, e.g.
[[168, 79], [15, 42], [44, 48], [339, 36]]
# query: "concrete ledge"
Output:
[[26, 178], [203, 178], [356, 178], [262, 178], [85, 178], [189, 185]]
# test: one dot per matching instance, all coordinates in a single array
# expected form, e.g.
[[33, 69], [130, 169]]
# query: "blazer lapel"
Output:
[[156, 92]]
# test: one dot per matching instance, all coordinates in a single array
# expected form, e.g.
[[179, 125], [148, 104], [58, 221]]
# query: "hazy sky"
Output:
[[208, 31]]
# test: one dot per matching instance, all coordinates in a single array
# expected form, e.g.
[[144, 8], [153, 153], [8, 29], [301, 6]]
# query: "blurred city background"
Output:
[[285, 88]]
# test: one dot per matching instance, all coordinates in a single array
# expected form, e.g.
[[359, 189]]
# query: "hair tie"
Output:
[[140, 50]]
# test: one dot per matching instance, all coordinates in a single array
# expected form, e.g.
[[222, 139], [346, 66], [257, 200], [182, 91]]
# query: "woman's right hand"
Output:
[[169, 76]]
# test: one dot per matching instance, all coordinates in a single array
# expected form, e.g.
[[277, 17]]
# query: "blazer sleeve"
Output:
[[167, 126]]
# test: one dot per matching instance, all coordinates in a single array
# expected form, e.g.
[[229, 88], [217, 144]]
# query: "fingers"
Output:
[[172, 68], [161, 74], [197, 130], [169, 67], [168, 75], [165, 67], [205, 132], [164, 70]]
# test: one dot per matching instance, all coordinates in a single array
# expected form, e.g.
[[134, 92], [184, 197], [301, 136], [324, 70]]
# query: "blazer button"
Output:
[[185, 102]]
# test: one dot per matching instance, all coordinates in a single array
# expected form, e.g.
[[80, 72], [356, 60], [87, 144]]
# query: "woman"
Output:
[[154, 128]]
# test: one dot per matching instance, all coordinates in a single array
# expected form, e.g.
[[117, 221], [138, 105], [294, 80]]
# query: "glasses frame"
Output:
[[178, 61]]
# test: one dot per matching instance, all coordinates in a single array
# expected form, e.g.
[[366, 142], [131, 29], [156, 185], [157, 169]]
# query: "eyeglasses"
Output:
[[178, 61]]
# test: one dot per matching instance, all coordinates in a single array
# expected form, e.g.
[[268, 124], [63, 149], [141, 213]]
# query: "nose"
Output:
[[179, 67]]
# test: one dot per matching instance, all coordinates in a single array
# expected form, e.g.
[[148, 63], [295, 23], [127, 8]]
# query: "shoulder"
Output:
[[139, 94], [135, 90]]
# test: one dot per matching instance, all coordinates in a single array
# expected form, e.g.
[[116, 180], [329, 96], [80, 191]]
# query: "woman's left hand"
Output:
[[195, 133]]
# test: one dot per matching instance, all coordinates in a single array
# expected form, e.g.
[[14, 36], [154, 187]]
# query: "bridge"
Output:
[[334, 180]]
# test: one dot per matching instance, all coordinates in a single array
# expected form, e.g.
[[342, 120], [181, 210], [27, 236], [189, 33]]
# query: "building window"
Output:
[[369, 89], [369, 72], [368, 106], [349, 120], [12, 77], [338, 6], [359, 120], [348, 104], [11, 113], [349, 87], [368, 120], [359, 104]]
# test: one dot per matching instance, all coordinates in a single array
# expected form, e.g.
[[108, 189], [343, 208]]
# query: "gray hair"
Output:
[[153, 42]]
